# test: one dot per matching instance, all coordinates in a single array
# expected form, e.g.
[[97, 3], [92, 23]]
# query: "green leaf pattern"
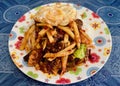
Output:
[[106, 31], [84, 15], [21, 29], [76, 71], [37, 8], [33, 75]]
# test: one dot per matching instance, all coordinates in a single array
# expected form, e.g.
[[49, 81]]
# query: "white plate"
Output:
[[92, 24]]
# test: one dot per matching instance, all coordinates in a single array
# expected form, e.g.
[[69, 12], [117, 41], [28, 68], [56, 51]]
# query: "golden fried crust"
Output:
[[56, 14]]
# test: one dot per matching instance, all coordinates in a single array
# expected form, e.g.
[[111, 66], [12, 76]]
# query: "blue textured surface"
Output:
[[11, 10]]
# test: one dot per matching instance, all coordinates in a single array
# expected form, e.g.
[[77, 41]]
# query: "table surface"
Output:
[[11, 10]]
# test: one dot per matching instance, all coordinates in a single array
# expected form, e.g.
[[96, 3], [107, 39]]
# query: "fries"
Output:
[[44, 24], [32, 40], [86, 37], [77, 35], [66, 38], [64, 59], [42, 32], [50, 37], [45, 42], [68, 50], [59, 54], [67, 30], [56, 43], [52, 56], [26, 37], [64, 64]]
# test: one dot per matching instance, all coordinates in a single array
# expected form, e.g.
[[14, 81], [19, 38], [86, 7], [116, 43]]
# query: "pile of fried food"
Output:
[[56, 42]]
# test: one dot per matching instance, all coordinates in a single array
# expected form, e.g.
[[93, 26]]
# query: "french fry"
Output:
[[52, 56], [53, 32], [26, 38], [91, 46], [50, 37], [77, 35], [69, 47], [67, 30], [66, 38], [44, 44], [86, 36], [64, 58], [41, 34], [28, 47], [43, 31], [61, 53], [44, 24], [83, 39], [64, 64], [32, 40]]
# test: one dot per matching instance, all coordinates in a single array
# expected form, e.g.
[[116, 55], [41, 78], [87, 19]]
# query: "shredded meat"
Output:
[[55, 47], [53, 67], [36, 57]]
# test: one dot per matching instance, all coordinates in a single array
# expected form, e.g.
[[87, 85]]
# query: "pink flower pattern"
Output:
[[22, 19], [94, 58], [18, 43], [95, 15], [63, 81]]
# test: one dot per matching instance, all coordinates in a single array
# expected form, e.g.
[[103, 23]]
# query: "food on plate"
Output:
[[56, 14], [56, 43]]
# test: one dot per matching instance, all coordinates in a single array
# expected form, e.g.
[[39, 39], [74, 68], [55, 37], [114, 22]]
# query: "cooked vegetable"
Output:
[[81, 52]]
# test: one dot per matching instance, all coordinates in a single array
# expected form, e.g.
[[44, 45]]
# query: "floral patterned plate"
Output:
[[92, 24]]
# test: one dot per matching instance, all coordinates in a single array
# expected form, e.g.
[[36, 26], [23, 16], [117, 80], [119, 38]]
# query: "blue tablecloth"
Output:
[[11, 10]]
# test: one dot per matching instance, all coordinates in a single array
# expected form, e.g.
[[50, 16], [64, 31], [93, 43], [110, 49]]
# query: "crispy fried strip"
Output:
[[67, 30], [27, 47], [64, 59], [66, 38], [77, 35], [68, 50], [86, 36], [26, 38], [60, 53], [44, 24], [83, 39], [52, 56], [53, 32], [50, 37], [64, 64], [41, 34], [32, 40], [69, 47], [44, 44], [91, 46], [43, 31]]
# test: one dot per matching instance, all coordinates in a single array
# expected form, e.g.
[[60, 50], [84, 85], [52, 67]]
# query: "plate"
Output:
[[94, 26]]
